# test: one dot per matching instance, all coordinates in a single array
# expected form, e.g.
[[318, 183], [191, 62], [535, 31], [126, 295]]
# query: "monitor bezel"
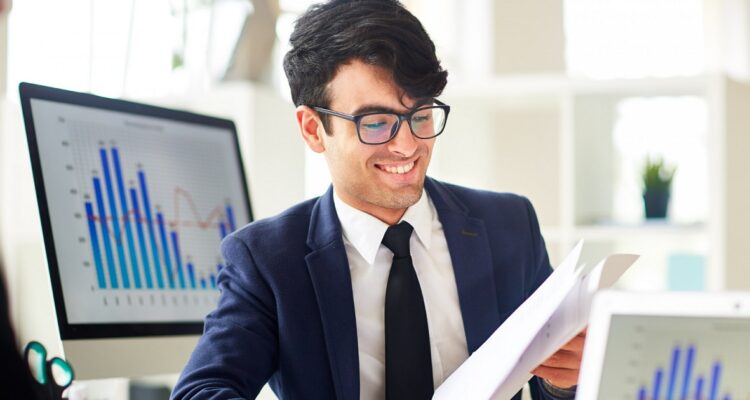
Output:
[[29, 91]]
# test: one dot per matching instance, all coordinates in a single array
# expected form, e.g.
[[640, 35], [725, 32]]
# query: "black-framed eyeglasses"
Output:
[[425, 122]]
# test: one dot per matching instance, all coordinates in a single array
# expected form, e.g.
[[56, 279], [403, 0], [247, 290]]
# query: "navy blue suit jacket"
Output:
[[286, 311]]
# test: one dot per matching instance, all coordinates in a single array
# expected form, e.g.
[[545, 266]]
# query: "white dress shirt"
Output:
[[370, 264]]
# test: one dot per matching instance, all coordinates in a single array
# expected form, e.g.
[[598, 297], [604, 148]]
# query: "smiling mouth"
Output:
[[397, 169]]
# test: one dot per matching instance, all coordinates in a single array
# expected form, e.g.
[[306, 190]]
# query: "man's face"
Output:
[[381, 180]]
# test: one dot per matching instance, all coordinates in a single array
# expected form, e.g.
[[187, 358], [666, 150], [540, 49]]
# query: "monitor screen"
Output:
[[134, 201], [676, 357]]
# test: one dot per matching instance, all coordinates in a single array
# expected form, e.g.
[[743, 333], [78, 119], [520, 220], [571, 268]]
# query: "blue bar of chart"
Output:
[[141, 239], [137, 240], [701, 389], [105, 234], [178, 259], [230, 218], [126, 217], [688, 372], [165, 247], [95, 246], [673, 371], [222, 230], [191, 275], [115, 219], [150, 224]]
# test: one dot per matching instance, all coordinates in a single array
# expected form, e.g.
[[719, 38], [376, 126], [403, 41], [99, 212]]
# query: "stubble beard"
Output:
[[401, 198]]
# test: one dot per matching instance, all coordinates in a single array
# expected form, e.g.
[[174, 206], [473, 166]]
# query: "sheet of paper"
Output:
[[477, 377], [566, 322], [548, 319]]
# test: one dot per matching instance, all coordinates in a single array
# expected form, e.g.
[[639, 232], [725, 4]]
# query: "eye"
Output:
[[421, 116], [374, 125]]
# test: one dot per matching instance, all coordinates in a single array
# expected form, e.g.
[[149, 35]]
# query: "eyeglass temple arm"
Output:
[[334, 113]]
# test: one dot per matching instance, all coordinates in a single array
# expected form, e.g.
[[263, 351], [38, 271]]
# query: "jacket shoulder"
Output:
[[478, 202], [285, 231]]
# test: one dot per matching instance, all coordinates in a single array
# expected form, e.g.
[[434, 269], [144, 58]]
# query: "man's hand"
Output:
[[562, 368]]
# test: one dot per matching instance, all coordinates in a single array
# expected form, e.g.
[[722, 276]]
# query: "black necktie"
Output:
[[408, 364]]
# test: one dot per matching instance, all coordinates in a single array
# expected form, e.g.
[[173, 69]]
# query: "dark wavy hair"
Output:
[[377, 32]]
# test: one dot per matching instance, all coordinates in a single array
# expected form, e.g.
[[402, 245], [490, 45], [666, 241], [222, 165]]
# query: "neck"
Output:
[[390, 217]]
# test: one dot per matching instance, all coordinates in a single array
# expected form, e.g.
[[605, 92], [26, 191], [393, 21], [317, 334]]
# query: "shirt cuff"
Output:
[[558, 392]]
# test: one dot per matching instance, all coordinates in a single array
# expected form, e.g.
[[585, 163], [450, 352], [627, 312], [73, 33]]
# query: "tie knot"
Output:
[[396, 239]]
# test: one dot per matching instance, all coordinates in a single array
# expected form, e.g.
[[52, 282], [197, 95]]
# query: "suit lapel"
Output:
[[472, 265], [329, 272]]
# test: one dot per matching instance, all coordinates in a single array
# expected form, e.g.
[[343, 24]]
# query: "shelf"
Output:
[[535, 86], [514, 86], [619, 232], [667, 86], [647, 231]]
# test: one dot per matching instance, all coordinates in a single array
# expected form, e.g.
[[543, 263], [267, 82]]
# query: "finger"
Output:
[[560, 377], [563, 359], [575, 344]]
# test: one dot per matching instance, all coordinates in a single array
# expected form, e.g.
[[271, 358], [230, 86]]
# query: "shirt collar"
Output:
[[365, 232]]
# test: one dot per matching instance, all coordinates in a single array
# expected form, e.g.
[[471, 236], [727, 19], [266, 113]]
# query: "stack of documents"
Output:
[[555, 313]]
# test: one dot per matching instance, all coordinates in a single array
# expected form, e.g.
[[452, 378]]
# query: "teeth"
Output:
[[401, 169]]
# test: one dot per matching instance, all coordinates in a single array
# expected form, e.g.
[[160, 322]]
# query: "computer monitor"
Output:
[[667, 345], [134, 201]]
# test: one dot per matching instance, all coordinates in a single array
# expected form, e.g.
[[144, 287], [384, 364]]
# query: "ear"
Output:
[[311, 128]]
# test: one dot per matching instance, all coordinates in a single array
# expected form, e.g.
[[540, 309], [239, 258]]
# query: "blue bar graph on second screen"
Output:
[[673, 372], [131, 238], [697, 389], [688, 373]]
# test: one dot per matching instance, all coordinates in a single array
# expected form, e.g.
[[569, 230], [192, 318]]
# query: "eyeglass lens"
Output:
[[425, 123]]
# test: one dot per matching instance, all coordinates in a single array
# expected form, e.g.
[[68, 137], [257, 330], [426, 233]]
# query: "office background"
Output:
[[562, 101]]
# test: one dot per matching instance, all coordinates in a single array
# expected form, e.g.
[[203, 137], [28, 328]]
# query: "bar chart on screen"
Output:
[[681, 381], [654, 358], [143, 214], [154, 257]]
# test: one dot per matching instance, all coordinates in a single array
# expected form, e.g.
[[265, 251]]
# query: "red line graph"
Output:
[[211, 221]]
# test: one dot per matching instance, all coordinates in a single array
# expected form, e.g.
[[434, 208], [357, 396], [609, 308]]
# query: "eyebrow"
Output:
[[368, 108]]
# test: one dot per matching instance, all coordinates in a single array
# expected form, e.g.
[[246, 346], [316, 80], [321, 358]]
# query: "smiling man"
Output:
[[384, 285]]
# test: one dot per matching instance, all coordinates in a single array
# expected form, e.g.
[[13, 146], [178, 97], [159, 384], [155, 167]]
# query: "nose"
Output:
[[404, 143]]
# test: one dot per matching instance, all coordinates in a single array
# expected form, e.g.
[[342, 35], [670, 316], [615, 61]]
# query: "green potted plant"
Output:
[[657, 184]]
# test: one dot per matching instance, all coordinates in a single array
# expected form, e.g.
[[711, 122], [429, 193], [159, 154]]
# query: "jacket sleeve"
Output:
[[238, 351]]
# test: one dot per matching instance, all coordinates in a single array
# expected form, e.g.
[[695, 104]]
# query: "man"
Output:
[[312, 301]]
